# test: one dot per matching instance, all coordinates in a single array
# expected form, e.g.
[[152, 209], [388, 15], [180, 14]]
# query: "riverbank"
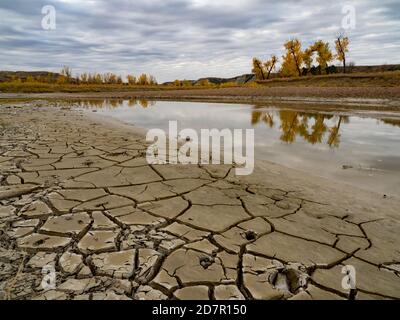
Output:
[[386, 96], [77, 193]]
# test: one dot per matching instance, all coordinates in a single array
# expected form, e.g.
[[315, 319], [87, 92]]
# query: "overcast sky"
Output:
[[185, 38]]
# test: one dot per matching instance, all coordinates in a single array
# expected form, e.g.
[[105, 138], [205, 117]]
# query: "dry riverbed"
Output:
[[77, 194]]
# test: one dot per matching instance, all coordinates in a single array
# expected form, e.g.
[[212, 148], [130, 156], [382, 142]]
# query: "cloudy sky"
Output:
[[186, 38]]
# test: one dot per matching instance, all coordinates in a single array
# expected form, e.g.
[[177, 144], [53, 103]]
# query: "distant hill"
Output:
[[23, 75], [245, 78]]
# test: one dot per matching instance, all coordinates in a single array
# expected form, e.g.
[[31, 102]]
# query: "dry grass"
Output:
[[41, 87], [380, 79], [362, 85]]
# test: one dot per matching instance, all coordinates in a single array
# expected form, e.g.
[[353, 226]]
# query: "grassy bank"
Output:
[[376, 79], [358, 80], [39, 87], [43, 87]]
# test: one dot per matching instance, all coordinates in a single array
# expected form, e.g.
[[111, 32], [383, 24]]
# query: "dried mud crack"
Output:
[[77, 194]]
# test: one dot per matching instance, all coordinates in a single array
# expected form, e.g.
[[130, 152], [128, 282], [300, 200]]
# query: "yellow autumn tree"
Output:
[[131, 79], [187, 83], [143, 79], [293, 56], [258, 69], [204, 83], [98, 79], [308, 58], [342, 47], [270, 64], [324, 54], [288, 67], [113, 78]]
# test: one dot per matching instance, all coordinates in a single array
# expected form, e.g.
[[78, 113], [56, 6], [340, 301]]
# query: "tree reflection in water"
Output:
[[312, 127], [115, 103]]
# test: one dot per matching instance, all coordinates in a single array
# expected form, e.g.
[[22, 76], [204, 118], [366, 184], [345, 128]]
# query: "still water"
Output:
[[359, 148]]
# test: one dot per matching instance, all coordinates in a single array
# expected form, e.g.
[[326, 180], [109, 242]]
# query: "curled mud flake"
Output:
[[289, 279], [250, 235], [88, 163], [206, 262], [39, 242]]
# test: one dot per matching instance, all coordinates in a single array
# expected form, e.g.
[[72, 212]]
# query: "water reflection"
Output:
[[393, 122], [115, 103], [321, 141], [311, 127]]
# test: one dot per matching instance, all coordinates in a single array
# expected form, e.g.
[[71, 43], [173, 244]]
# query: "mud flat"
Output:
[[376, 97], [77, 194]]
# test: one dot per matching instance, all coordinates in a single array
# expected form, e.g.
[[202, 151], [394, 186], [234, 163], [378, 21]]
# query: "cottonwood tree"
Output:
[[152, 80], [143, 79], [342, 47], [84, 77], [98, 79], [131, 79], [294, 55], [204, 83], [261, 70], [113, 78], [270, 64], [67, 73], [106, 77], [324, 54], [258, 69], [288, 67], [308, 58]]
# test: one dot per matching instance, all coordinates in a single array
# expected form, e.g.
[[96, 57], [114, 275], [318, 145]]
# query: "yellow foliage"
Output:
[[324, 53], [131, 79], [258, 69], [342, 47], [293, 57]]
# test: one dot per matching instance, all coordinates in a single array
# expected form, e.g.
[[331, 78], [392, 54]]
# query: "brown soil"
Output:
[[257, 94]]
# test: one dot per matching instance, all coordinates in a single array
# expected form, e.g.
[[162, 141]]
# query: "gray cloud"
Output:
[[185, 38]]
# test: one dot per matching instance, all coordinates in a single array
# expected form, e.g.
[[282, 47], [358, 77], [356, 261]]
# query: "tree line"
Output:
[[297, 62], [106, 78], [65, 77]]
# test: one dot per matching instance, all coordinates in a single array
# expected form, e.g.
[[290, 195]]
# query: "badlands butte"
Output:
[[77, 195]]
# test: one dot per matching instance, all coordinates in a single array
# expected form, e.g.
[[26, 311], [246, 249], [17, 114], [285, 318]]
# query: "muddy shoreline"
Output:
[[76, 193], [381, 98]]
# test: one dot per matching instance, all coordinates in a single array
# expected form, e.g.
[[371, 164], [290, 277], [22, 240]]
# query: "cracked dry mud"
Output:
[[77, 194]]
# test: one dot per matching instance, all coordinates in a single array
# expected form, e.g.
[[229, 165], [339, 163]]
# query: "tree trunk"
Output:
[[261, 71], [270, 70]]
